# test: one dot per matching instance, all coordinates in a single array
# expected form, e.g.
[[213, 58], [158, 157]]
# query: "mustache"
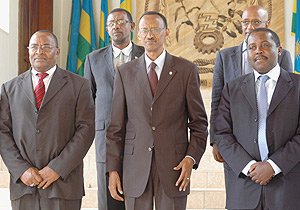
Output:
[[150, 39], [260, 56], [117, 31]]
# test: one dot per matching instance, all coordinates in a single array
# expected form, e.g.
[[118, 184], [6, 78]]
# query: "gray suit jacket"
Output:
[[236, 131], [228, 66], [58, 136], [140, 123], [99, 69]]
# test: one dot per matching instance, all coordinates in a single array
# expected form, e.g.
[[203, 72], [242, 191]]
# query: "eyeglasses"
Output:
[[254, 22], [44, 48], [120, 22], [154, 31]]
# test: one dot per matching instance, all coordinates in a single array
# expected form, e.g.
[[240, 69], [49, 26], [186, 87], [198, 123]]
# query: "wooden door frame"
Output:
[[33, 15]]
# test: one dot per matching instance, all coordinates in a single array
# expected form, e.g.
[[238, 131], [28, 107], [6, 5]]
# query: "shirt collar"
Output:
[[160, 61], [273, 73], [49, 72], [127, 50]]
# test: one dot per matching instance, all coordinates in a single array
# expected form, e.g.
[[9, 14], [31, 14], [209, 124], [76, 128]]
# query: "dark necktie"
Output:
[[39, 91], [153, 79], [262, 106]]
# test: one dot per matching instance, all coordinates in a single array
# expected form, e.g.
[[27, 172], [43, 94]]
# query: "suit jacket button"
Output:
[[149, 149], [255, 141], [255, 119], [150, 108], [153, 128], [37, 131]]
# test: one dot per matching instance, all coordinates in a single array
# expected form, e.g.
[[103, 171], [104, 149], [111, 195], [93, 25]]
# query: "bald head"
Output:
[[254, 17]]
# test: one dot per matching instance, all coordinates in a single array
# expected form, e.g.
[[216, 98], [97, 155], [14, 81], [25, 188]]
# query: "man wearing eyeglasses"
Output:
[[100, 68], [156, 101], [46, 127], [233, 62]]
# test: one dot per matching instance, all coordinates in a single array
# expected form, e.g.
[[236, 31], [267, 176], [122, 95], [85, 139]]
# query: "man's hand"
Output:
[[261, 172], [115, 183], [31, 177], [217, 154], [186, 166], [49, 176]]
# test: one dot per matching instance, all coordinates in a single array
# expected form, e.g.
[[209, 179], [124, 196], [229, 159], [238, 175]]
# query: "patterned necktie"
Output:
[[262, 105], [39, 91], [153, 79]]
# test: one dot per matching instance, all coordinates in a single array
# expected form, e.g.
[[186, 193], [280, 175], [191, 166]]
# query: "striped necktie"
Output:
[[39, 91]]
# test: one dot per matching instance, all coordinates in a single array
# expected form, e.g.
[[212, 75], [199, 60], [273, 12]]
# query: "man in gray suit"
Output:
[[257, 130], [46, 128], [232, 63], [100, 70]]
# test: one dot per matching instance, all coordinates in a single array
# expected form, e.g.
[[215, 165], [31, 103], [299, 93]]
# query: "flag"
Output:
[[73, 36], [296, 32], [126, 4], [103, 35], [87, 38]]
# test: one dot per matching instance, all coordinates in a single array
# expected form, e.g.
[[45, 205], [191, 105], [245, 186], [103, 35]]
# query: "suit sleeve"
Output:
[[232, 152], [116, 130], [77, 147], [218, 84], [285, 61], [8, 148], [197, 117], [88, 74]]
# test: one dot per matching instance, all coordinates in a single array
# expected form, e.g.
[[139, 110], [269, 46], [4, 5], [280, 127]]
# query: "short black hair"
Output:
[[275, 37], [122, 10], [155, 13], [50, 32]]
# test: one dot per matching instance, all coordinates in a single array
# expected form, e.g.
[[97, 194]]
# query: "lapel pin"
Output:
[[136, 57], [170, 73]]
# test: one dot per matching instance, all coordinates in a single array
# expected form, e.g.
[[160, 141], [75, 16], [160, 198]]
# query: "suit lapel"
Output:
[[108, 57], [27, 88], [166, 76], [284, 85], [248, 89], [141, 76], [136, 52], [57, 82], [236, 57]]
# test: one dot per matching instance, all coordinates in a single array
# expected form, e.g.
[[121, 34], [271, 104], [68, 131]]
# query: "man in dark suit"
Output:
[[46, 128], [100, 70], [232, 63], [156, 99], [257, 130]]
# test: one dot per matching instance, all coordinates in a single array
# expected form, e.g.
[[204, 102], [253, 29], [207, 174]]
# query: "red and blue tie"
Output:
[[39, 91]]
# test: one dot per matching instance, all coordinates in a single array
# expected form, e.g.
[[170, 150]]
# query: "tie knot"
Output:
[[152, 65], [42, 75], [263, 78]]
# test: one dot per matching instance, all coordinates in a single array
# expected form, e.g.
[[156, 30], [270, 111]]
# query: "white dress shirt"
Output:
[[46, 80], [270, 86]]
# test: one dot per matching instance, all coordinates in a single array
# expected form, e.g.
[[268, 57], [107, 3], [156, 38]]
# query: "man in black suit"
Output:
[[257, 131]]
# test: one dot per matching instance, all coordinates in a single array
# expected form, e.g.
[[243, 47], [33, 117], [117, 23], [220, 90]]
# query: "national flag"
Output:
[[87, 38], [103, 35], [296, 32], [73, 36], [126, 4]]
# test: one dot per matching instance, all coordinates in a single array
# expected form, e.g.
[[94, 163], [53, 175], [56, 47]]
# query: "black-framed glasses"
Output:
[[254, 22], [154, 31], [120, 22], [44, 48]]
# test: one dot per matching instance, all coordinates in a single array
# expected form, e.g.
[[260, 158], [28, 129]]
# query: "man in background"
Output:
[[100, 67], [46, 128], [156, 101], [233, 62]]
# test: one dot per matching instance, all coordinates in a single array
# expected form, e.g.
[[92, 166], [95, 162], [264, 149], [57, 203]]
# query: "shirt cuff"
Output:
[[192, 158], [276, 169], [247, 167]]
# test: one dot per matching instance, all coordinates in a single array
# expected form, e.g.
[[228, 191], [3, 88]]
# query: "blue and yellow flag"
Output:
[[73, 36], [87, 38], [103, 35], [126, 4], [296, 32]]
